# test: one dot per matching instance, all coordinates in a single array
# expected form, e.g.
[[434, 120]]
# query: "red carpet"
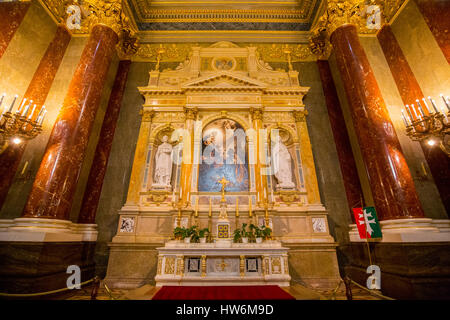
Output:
[[222, 293]]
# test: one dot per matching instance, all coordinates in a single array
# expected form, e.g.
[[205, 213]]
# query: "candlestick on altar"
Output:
[[196, 207], [237, 207], [210, 208], [250, 207]]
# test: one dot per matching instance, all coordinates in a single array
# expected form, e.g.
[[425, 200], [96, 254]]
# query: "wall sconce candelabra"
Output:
[[23, 124], [430, 125]]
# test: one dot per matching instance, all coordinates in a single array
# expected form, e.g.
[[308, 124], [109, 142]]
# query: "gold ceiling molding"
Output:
[[220, 11], [180, 52]]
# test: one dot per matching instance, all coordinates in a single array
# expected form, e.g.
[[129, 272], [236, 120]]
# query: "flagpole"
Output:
[[367, 238]]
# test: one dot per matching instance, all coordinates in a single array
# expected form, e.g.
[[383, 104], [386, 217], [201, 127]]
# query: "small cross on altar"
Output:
[[224, 183]]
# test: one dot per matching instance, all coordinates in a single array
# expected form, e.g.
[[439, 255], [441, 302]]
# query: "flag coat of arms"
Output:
[[367, 222]]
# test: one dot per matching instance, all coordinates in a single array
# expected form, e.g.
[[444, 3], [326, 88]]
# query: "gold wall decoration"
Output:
[[180, 52], [169, 265]]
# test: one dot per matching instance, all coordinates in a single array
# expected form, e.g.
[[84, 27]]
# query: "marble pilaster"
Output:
[[37, 91], [347, 162], [11, 15], [392, 185], [103, 149], [410, 90], [437, 16], [54, 186]]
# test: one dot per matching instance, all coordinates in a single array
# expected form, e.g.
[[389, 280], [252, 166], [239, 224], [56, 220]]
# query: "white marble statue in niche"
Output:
[[163, 166], [282, 166]]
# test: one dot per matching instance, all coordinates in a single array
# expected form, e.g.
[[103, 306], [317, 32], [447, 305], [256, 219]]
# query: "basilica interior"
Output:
[[125, 123]]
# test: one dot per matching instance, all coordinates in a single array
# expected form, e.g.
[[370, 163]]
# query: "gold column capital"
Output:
[[191, 113], [105, 12], [256, 113], [300, 116], [342, 12], [128, 45], [147, 116]]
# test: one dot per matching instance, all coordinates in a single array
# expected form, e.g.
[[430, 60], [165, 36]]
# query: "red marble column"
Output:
[[11, 15], [391, 182], [347, 163], [437, 16], [37, 91], [410, 90], [98, 168], [54, 186]]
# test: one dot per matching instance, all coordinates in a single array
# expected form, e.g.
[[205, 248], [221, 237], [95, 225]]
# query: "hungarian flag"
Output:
[[367, 222]]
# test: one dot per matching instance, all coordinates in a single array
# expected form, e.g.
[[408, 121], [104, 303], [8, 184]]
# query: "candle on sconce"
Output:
[[237, 207], [12, 104], [415, 112], [404, 119], [420, 108], [32, 113], [409, 112], [445, 101], [1, 101], [421, 111], [426, 106], [21, 105], [25, 112], [433, 104], [42, 119]]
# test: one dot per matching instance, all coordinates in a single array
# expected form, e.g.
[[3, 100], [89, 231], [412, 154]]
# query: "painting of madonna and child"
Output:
[[224, 154]]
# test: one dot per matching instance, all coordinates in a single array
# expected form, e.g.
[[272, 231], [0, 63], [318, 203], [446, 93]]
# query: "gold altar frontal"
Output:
[[218, 88]]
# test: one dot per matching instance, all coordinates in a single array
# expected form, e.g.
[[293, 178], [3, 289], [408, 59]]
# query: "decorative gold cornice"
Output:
[[179, 52], [213, 11]]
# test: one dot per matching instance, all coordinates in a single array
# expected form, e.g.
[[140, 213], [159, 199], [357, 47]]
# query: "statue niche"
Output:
[[163, 165], [282, 162]]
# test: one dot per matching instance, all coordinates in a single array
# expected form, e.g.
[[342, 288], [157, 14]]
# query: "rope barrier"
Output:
[[370, 291], [2, 294]]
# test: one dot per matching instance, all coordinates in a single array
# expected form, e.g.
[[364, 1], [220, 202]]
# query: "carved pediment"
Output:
[[225, 80]]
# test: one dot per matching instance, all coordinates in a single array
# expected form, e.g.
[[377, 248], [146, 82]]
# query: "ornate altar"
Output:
[[209, 264], [223, 98]]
